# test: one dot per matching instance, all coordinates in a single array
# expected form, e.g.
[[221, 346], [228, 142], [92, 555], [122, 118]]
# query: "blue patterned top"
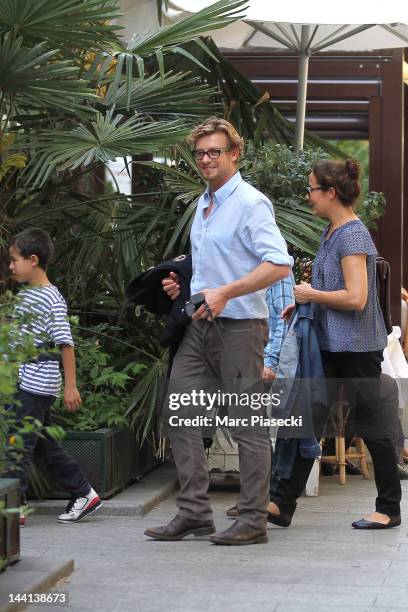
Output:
[[347, 330]]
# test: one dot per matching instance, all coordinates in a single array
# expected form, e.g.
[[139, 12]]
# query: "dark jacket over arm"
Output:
[[147, 290]]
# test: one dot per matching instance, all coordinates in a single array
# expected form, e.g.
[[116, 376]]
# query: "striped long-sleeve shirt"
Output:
[[278, 296], [47, 321]]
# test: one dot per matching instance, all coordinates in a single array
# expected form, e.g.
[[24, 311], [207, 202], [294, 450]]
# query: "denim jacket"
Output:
[[300, 359]]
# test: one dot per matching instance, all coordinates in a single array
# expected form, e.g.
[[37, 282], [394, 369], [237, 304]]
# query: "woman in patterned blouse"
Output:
[[352, 338]]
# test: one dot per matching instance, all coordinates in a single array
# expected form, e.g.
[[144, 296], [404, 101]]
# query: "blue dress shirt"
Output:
[[239, 234]]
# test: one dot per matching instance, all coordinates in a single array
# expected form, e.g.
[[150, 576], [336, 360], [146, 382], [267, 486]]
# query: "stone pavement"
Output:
[[318, 564]]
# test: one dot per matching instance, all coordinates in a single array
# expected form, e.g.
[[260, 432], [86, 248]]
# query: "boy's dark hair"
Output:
[[34, 241]]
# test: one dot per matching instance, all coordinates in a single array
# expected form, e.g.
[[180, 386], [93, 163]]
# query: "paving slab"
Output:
[[40, 571], [319, 563], [136, 500], [30, 576]]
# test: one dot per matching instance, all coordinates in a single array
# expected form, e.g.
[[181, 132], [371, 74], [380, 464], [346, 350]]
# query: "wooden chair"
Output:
[[341, 456]]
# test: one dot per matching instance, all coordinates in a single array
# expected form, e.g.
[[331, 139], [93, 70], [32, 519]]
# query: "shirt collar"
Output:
[[223, 192]]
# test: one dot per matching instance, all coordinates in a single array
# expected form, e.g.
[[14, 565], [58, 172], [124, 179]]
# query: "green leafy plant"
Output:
[[74, 96], [105, 389], [15, 348], [276, 171], [103, 99], [273, 168], [372, 208], [283, 176]]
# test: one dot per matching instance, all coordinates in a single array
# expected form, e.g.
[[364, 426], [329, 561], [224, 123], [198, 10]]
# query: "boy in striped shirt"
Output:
[[40, 382]]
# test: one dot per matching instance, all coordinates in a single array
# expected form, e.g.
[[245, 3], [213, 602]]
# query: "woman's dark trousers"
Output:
[[359, 373]]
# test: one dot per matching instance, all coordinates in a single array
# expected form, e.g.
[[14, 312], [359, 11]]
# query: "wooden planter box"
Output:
[[9, 524], [109, 458]]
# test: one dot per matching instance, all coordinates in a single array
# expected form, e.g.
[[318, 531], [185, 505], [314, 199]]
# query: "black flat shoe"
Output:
[[402, 471], [282, 520], [351, 469], [395, 521]]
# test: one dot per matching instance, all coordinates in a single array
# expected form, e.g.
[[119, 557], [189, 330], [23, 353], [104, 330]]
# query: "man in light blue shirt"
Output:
[[237, 252], [238, 235]]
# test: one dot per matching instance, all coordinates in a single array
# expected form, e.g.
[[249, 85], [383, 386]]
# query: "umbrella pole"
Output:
[[302, 89]]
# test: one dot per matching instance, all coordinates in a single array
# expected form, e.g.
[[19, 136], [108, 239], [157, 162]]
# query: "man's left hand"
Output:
[[216, 302]]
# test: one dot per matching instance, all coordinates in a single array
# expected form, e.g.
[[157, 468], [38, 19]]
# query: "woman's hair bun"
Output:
[[353, 169]]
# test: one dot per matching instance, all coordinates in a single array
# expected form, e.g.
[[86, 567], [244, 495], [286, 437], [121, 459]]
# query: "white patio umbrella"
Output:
[[308, 28]]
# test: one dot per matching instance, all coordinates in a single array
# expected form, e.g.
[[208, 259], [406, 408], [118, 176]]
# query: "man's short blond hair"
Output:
[[214, 125]]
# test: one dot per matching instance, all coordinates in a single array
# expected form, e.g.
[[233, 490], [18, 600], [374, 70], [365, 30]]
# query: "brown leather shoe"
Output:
[[232, 512], [179, 528], [240, 534]]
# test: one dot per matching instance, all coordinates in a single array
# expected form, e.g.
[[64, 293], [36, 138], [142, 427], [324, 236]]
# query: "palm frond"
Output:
[[161, 5], [170, 95], [74, 24], [104, 139], [213, 17], [167, 40], [146, 397], [179, 181], [31, 77]]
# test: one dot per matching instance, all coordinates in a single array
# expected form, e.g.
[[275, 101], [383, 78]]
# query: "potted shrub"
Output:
[[9, 521]]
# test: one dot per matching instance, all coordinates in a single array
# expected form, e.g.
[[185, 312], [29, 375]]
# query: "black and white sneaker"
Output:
[[80, 507]]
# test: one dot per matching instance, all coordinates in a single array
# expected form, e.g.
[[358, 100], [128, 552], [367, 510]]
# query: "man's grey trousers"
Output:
[[203, 361]]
